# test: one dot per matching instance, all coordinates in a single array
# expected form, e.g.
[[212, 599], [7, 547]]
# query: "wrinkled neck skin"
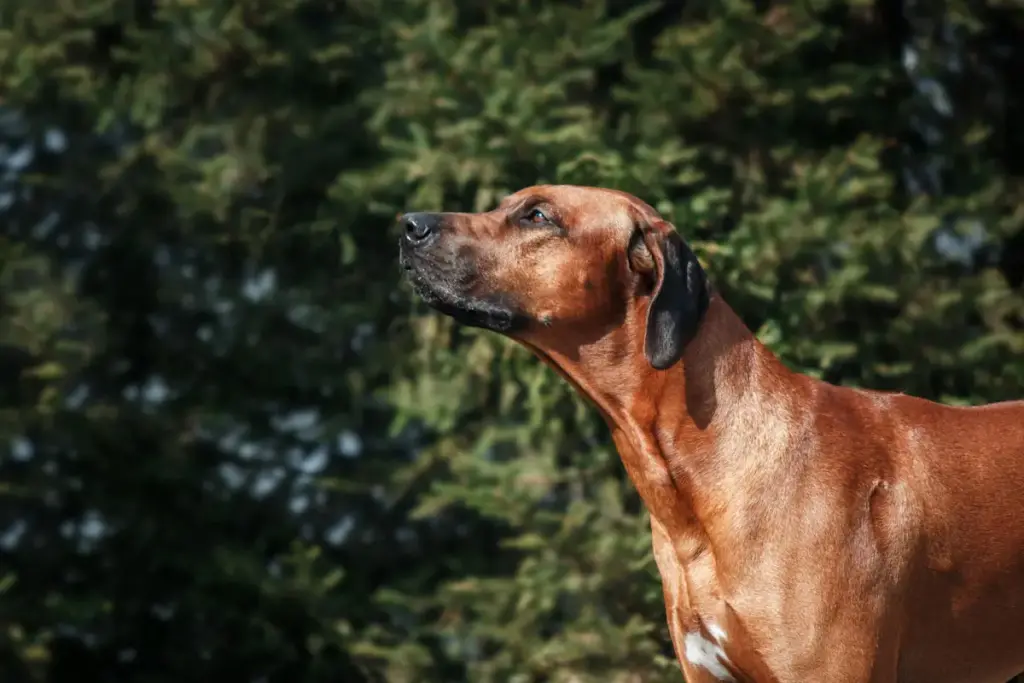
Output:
[[704, 440]]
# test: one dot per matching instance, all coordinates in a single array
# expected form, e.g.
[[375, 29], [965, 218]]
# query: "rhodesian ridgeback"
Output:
[[803, 531]]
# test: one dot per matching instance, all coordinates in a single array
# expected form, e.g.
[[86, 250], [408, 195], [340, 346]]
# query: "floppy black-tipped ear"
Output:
[[678, 300]]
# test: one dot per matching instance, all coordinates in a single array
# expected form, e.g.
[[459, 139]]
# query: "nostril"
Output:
[[418, 226], [417, 229]]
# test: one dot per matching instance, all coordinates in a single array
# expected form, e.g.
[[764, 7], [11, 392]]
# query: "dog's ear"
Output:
[[679, 291]]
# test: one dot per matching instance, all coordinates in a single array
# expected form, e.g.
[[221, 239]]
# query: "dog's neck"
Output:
[[727, 444], [692, 460]]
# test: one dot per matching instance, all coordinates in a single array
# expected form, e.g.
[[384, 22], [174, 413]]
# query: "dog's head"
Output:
[[553, 265]]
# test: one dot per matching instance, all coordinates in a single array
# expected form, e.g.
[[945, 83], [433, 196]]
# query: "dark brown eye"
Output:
[[535, 217]]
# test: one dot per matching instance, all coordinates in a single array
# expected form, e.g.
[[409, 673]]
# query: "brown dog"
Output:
[[803, 531]]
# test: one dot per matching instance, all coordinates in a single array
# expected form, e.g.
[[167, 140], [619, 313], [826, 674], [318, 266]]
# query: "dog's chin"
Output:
[[496, 313], [486, 315]]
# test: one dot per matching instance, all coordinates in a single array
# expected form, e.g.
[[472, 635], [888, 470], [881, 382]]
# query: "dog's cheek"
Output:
[[564, 290], [500, 277]]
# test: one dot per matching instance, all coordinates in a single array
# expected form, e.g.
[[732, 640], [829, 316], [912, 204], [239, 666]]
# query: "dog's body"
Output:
[[803, 531]]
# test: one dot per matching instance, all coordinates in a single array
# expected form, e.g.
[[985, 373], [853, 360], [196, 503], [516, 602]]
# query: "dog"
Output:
[[802, 531]]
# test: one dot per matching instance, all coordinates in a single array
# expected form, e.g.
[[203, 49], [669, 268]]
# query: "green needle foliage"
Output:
[[233, 447]]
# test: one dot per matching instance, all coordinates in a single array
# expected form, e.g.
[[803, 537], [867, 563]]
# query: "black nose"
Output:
[[420, 226]]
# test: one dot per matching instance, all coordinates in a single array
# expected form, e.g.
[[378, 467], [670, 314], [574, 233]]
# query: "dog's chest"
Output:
[[717, 649], [704, 653], [711, 641]]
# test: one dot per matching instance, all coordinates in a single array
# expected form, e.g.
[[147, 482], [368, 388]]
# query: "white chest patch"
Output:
[[708, 654]]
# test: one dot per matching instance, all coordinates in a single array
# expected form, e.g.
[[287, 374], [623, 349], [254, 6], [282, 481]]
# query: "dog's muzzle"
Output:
[[446, 277]]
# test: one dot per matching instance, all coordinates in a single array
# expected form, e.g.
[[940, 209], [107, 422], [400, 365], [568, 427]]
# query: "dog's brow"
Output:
[[525, 201]]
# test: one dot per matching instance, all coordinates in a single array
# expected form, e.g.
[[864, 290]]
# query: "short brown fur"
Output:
[[832, 534]]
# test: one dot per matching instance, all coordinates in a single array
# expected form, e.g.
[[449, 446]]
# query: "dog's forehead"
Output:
[[578, 198]]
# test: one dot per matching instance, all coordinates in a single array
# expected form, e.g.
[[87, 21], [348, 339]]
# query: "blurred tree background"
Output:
[[234, 447]]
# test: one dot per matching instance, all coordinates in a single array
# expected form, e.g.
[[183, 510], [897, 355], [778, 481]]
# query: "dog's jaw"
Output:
[[446, 290]]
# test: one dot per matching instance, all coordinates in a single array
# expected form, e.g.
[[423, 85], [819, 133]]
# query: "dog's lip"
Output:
[[490, 314], [415, 276], [420, 283], [405, 260]]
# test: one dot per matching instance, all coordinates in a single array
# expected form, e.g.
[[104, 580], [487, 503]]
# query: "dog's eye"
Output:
[[535, 217]]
